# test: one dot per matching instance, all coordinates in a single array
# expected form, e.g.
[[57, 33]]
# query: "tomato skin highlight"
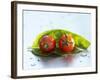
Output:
[[66, 43], [47, 43]]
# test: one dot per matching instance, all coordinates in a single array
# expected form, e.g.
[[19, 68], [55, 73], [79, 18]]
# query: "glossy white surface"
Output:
[[35, 22]]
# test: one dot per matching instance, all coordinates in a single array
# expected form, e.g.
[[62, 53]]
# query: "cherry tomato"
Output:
[[47, 43], [66, 43]]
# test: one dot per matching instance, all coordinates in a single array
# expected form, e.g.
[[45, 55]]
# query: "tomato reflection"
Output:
[[69, 58]]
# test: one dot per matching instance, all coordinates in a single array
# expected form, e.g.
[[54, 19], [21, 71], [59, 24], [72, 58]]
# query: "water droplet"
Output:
[[38, 60], [31, 58], [80, 61], [88, 56], [83, 55], [33, 64]]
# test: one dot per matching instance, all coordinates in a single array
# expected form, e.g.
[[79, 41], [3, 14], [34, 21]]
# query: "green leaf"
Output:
[[80, 42]]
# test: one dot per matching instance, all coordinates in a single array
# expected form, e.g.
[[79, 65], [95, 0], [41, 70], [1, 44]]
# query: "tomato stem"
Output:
[[46, 45]]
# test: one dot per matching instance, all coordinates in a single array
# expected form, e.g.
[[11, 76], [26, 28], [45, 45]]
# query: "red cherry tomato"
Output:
[[66, 43], [47, 43]]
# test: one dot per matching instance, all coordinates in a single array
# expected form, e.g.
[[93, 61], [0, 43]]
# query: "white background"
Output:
[[5, 41]]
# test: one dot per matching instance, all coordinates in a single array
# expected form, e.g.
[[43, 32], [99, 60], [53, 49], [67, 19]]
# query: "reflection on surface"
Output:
[[81, 59]]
